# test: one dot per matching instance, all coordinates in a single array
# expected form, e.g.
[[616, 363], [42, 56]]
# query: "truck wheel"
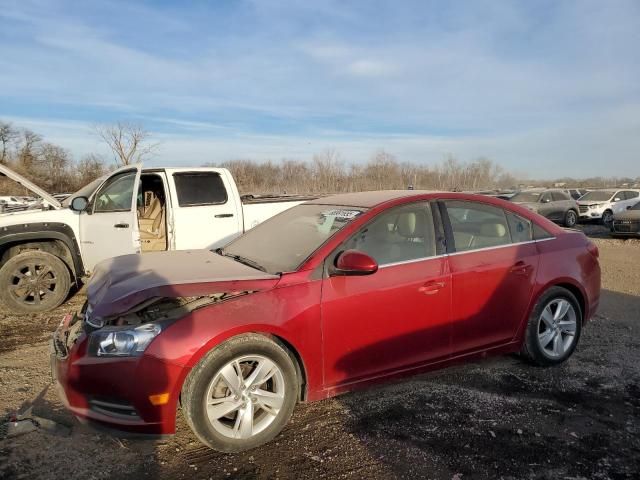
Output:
[[241, 394], [34, 281], [570, 219]]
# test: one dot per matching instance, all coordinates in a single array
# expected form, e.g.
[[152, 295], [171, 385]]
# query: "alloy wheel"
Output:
[[32, 282], [557, 327], [571, 218], [245, 396]]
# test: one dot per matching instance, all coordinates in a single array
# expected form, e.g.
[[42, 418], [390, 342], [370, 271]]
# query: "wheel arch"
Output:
[[276, 336], [57, 239], [568, 284]]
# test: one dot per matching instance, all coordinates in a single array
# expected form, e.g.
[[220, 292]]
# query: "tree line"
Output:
[[328, 172], [53, 168], [50, 166]]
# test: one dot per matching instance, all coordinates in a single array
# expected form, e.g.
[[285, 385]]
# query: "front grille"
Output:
[[114, 408], [583, 208], [626, 226]]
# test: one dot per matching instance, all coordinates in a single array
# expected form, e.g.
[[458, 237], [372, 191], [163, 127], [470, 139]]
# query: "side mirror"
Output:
[[629, 207], [79, 204], [617, 199], [354, 262]]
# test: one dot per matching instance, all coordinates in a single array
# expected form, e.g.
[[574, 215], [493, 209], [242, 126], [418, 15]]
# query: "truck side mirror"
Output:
[[79, 204]]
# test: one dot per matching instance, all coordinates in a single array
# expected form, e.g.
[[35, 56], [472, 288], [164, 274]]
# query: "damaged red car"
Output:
[[331, 295]]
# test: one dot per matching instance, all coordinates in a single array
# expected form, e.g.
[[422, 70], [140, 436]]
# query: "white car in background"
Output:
[[603, 204]]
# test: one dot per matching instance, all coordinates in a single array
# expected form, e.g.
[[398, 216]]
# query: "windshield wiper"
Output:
[[241, 259]]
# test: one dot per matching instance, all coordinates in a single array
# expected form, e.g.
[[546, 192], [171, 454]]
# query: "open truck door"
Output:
[[109, 222]]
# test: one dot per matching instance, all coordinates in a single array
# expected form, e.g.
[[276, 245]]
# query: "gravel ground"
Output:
[[498, 418]]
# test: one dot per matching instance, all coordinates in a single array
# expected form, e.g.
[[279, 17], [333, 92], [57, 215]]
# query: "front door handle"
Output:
[[521, 268], [431, 287], [121, 225], [224, 215]]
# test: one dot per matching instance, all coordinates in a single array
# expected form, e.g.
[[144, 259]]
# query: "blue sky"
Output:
[[545, 88]]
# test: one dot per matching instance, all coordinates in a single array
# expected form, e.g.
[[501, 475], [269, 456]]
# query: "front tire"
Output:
[[607, 218], [241, 394], [553, 329], [34, 281]]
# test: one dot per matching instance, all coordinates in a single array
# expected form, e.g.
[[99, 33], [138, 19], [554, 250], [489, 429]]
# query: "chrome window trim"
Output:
[[405, 262], [422, 259]]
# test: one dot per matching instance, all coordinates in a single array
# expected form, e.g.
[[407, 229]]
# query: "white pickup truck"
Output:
[[45, 251]]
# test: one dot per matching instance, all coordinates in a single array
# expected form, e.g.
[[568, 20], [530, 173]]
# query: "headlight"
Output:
[[122, 341]]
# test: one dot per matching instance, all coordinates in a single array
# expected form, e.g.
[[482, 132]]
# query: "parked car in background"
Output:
[[61, 196], [627, 222], [44, 251], [576, 193], [556, 205], [331, 295], [603, 204]]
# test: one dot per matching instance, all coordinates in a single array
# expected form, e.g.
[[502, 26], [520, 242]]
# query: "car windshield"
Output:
[[598, 195], [526, 197], [282, 243], [85, 191]]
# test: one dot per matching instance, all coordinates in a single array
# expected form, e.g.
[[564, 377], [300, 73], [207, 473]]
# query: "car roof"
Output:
[[368, 199]]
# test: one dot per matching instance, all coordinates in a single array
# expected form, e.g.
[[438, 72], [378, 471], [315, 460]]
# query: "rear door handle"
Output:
[[521, 268], [121, 225], [224, 215], [431, 287]]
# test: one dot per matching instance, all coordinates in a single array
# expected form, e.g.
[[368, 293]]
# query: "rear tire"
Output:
[[553, 329], [570, 218], [34, 281], [241, 394]]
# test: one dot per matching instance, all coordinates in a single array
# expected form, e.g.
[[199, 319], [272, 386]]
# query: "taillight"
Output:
[[593, 249]]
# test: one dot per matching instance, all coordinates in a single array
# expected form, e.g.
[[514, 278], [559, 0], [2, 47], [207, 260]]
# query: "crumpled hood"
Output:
[[627, 215], [120, 283]]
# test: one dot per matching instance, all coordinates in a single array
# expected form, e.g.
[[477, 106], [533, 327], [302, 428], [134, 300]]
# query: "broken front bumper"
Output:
[[113, 392]]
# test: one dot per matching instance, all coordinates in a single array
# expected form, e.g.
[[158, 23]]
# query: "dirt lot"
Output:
[[497, 418]]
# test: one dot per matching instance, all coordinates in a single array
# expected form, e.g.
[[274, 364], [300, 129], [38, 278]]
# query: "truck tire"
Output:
[[34, 281]]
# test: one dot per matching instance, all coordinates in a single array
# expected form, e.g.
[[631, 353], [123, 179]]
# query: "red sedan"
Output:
[[329, 296]]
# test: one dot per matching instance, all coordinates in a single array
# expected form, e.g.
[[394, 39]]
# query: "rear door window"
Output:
[[476, 225], [200, 188], [559, 196]]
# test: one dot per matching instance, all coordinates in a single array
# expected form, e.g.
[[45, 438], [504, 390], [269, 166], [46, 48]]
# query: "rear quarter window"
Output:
[[520, 228], [199, 188]]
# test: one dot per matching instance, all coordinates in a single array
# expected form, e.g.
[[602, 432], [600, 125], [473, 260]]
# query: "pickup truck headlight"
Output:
[[122, 341]]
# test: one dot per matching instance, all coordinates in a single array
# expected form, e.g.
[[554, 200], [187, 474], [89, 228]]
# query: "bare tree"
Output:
[[89, 168], [128, 141], [7, 135], [28, 150]]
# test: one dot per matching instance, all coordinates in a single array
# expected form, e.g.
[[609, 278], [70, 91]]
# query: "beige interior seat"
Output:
[[416, 235], [155, 238], [491, 235]]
